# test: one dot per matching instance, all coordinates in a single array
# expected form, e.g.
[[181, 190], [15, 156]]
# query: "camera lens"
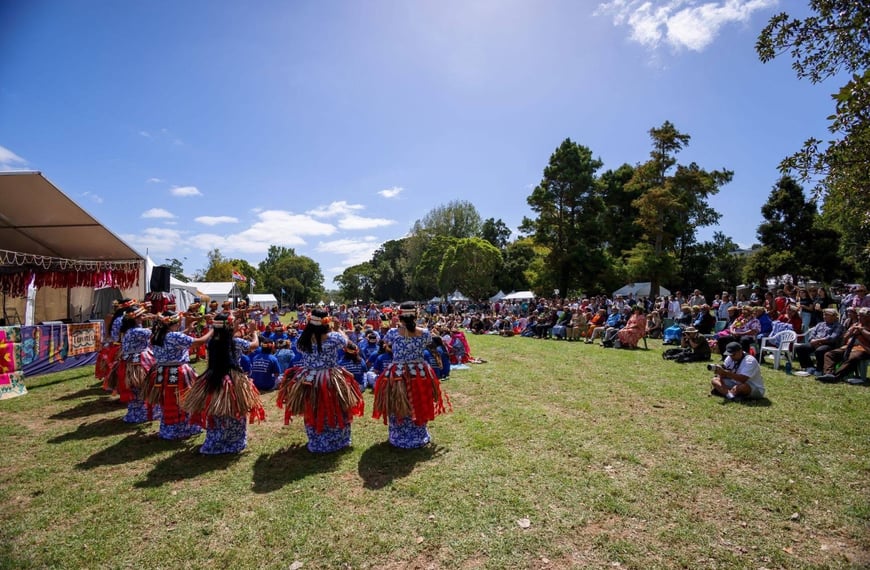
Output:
[[711, 367]]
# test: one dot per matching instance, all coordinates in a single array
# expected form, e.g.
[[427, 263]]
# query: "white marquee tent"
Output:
[[519, 295], [265, 300], [639, 290]]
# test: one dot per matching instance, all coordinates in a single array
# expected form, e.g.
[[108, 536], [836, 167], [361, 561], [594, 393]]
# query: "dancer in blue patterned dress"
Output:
[[324, 393], [136, 359], [407, 393], [223, 398], [171, 377]]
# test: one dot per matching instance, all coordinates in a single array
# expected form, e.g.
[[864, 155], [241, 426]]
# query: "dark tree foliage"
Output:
[[495, 232], [833, 42], [569, 222]]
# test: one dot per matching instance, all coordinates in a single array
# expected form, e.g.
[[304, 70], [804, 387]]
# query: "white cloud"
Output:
[[157, 213], [10, 161], [354, 222], [348, 220], [352, 251], [683, 24], [391, 192], [215, 220], [341, 208], [145, 134], [185, 191], [155, 240], [275, 227], [93, 197], [155, 180]]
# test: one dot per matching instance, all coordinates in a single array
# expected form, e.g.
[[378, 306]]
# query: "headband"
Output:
[[409, 312], [171, 319]]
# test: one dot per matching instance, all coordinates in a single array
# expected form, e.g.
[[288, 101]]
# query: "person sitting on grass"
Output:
[[739, 377]]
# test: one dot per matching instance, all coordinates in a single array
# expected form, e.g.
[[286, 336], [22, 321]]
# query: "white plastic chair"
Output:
[[779, 344]]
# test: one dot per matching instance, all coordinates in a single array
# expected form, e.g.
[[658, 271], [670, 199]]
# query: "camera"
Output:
[[712, 367]]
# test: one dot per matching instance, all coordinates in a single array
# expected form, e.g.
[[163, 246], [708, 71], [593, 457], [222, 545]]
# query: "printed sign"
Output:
[[84, 338]]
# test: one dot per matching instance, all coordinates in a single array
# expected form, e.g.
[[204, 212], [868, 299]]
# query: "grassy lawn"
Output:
[[557, 455]]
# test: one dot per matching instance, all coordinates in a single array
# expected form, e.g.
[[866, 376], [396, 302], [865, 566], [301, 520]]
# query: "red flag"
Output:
[[238, 276]]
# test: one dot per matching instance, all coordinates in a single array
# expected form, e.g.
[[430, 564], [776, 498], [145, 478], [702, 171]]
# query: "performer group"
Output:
[[319, 373]]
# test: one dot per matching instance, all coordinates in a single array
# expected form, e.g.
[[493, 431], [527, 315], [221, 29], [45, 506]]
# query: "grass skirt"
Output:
[[325, 397], [105, 360], [409, 390], [137, 369], [236, 398]]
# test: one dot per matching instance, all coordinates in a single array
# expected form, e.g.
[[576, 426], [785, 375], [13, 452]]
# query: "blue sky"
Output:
[[330, 127]]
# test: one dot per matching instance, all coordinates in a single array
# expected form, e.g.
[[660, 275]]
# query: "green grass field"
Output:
[[556, 455]]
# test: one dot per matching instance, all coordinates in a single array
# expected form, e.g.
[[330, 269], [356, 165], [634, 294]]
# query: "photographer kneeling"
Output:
[[739, 376]]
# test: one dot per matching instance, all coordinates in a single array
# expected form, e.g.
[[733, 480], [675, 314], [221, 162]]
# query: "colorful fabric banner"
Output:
[[11, 377], [84, 338]]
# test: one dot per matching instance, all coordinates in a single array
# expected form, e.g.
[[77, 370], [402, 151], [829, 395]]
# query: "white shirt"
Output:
[[748, 366]]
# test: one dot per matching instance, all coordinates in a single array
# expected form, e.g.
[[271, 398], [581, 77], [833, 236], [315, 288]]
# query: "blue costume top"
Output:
[[135, 341], [408, 348], [328, 356], [176, 348]]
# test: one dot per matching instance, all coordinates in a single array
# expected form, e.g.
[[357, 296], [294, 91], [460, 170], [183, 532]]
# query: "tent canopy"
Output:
[[519, 295], [57, 227], [497, 297], [639, 290], [457, 296], [265, 300]]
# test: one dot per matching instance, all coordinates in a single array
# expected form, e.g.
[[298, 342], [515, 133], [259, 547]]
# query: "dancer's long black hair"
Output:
[[409, 320], [127, 323], [304, 342], [161, 329], [220, 353]]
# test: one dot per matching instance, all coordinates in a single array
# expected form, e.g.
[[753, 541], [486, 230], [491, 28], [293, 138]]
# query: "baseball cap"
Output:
[[732, 347]]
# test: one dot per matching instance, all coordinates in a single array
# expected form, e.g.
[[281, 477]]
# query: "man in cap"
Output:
[[842, 362], [739, 377]]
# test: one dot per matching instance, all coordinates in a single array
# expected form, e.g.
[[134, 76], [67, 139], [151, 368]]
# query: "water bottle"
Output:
[[788, 367]]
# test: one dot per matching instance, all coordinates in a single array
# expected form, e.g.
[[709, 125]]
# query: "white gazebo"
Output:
[[519, 296], [639, 290]]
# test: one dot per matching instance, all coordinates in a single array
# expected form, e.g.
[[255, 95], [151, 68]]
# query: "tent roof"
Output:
[[261, 298], [519, 295], [639, 289], [212, 288], [57, 227]]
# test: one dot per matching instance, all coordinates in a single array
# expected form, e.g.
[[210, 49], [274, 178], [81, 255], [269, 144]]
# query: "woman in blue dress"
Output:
[[135, 360], [322, 392], [408, 393], [171, 377], [223, 398]]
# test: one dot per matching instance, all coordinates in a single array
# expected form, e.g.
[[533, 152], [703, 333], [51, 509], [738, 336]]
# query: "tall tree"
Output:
[[792, 240], [470, 265], [389, 269], [293, 278], [427, 272], [219, 267], [456, 219], [176, 269], [569, 221], [495, 232], [619, 234], [520, 260], [833, 42], [672, 204], [355, 283]]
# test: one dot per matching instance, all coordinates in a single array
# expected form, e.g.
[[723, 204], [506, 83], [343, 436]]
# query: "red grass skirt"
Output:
[[237, 397], [410, 390], [166, 386], [325, 397]]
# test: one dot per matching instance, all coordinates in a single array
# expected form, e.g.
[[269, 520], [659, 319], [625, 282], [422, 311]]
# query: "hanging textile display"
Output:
[[17, 270], [11, 374]]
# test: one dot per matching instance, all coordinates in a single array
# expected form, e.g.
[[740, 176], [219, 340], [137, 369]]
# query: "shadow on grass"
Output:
[[382, 464], [100, 428], [96, 390], [187, 463], [750, 403], [38, 382], [90, 408], [274, 470], [134, 447]]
